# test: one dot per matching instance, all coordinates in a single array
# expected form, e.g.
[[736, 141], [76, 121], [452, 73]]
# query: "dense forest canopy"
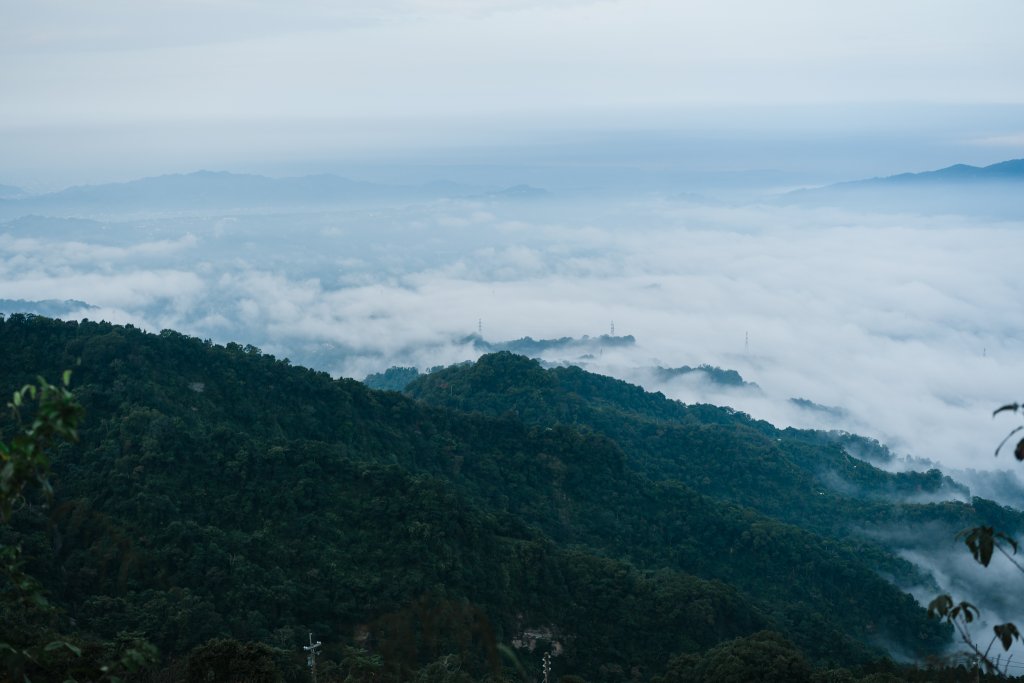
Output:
[[220, 496]]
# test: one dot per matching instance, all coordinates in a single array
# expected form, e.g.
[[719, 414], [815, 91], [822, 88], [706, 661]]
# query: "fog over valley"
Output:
[[902, 322]]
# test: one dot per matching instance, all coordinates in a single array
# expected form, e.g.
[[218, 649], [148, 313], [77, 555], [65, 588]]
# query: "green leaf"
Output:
[[1007, 438], [981, 542], [1012, 407], [969, 611], [1006, 633], [940, 606], [58, 644]]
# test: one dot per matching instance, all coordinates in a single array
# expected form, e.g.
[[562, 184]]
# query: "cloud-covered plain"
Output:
[[906, 323]]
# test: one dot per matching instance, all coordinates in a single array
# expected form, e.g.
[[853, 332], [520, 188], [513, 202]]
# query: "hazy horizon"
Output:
[[425, 89]]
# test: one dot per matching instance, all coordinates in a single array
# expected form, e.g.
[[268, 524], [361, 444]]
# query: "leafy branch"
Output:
[[983, 541], [25, 460], [1018, 452], [962, 614], [25, 464]]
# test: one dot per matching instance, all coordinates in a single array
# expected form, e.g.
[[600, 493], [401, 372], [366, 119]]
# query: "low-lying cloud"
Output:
[[907, 324]]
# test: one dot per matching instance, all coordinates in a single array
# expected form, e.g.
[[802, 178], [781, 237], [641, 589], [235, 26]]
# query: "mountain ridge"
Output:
[[209, 190], [992, 191], [223, 462], [1009, 170]]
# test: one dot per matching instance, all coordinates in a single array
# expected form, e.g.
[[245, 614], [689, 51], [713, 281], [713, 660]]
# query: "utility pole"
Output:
[[312, 650]]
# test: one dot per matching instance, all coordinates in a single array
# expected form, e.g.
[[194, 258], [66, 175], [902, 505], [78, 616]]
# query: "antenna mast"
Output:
[[312, 650]]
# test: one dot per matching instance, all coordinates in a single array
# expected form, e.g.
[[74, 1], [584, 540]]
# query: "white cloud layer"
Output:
[[907, 323]]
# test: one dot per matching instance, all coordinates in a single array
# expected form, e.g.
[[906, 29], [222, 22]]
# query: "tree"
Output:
[[29, 645], [983, 542], [765, 657], [26, 459], [224, 660]]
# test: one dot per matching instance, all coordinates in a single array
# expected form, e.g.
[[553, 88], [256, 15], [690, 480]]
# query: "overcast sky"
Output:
[[110, 88]]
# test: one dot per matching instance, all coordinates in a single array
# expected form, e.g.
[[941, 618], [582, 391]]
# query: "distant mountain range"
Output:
[[1005, 171], [209, 190], [995, 190], [12, 192], [989, 190], [528, 346], [50, 307], [519, 192]]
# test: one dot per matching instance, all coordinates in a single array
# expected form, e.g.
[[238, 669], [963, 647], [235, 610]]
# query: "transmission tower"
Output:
[[312, 650], [547, 666], [613, 328]]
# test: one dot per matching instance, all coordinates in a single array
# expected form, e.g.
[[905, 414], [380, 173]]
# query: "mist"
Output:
[[903, 323]]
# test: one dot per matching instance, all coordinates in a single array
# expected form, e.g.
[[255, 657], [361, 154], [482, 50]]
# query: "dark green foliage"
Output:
[[764, 657], [392, 379], [221, 493], [527, 346], [445, 669], [807, 478], [224, 660], [729, 378], [817, 407], [25, 458], [33, 645]]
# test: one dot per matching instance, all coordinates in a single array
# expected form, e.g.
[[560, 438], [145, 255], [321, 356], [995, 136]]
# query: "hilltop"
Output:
[[218, 492]]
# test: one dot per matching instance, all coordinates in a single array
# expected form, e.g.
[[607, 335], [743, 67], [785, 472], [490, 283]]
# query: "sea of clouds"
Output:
[[910, 325]]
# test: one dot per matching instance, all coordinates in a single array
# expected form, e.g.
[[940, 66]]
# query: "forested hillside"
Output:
[[807, 478], [219, 493]]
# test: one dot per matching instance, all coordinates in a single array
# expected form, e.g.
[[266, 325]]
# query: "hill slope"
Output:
[[220, 492]]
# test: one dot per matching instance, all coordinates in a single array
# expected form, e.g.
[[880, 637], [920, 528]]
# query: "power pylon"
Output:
[[312, 650]]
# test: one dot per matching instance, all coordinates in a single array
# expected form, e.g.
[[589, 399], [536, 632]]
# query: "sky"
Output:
[[114, 89]]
